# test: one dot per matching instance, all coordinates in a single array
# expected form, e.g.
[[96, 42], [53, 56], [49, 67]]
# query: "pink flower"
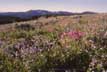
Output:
[[50, 30], [63, 34], [75, 34]]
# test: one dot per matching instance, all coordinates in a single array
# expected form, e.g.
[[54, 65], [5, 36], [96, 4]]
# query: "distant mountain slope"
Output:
[[31, 13], [88, 12], [6, 17]]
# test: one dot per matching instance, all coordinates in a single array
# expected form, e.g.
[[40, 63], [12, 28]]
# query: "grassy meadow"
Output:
[[75, 43]]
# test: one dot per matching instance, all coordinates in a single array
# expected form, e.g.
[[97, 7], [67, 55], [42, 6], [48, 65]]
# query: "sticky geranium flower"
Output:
[[50, 29], [75, 34]]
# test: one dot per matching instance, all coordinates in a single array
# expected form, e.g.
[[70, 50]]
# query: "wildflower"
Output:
[[75, 34], [105, 35], [50, 30], [63, 34]]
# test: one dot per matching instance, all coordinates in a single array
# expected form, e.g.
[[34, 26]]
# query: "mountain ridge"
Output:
[[31, 13]]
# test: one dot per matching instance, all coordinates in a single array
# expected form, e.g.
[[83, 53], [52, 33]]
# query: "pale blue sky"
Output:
[[54, 5]]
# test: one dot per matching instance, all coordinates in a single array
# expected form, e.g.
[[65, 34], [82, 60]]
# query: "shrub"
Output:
[[24, 27]]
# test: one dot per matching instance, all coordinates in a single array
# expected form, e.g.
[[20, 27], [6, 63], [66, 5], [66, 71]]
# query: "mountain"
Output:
[[32, 13], [88, 12], [8, 17]]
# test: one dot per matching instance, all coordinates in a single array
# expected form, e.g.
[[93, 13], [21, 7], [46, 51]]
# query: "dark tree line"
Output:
[[11, 19]]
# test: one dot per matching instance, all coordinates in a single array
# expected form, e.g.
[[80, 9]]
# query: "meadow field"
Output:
[[76, 43]]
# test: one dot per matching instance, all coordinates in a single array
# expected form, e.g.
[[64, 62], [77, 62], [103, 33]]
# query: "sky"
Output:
[[53, 5]]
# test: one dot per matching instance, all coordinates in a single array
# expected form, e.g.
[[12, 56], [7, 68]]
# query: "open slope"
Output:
[[75, 43]]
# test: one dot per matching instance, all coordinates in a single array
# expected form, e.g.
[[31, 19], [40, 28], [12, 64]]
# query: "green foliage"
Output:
[[39, 50], [10, 65]]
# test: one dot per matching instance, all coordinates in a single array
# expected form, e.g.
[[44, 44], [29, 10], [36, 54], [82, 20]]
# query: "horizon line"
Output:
[[52, 11]]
